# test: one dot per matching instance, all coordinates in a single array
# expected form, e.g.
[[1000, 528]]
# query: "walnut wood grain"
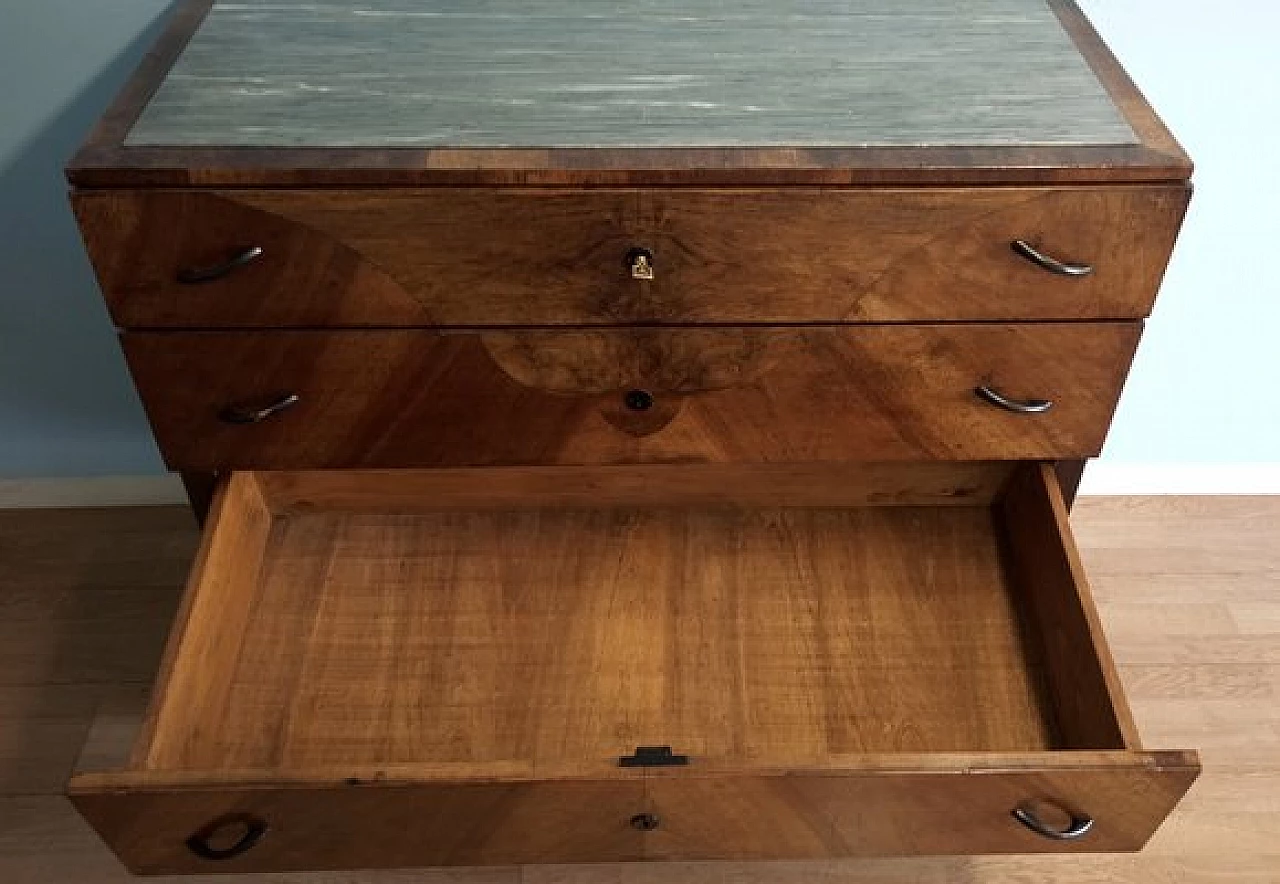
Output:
[[376, 826], [822, 815], [230, 554], [861, 654], [488, 257], [199, 488], [420, 398], [1069, 474], [140, 242], [376, 640], [629, 624], [308, 567], [1196, 667], [736, 815], [1066, 629], [105, 161], [925, 483]]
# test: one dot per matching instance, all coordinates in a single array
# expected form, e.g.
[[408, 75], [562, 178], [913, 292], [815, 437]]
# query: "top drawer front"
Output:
[[476, 257]]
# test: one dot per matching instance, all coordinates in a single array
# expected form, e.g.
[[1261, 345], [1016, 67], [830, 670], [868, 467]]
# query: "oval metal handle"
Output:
[[197, 275], [1078, 827], [640, 263], [1018, 406], [244, 414], [1053, 265], [254, 828]]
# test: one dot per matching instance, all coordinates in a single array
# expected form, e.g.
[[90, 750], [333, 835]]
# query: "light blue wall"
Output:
[[66, 405], [1206, 383], [1204, 388]]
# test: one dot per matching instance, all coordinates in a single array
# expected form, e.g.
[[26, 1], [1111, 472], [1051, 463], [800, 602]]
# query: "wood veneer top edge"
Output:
[[1135, 107], [107, 136]]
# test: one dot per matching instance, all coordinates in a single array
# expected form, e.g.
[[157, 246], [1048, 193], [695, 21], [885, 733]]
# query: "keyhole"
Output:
[[640, 263], [645, 822], [638, 400]]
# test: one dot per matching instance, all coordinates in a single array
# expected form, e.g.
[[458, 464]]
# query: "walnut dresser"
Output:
[[630, 431]]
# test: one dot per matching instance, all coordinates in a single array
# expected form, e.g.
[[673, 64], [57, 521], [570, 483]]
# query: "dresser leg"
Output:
[[1069, 473], [199, 488]]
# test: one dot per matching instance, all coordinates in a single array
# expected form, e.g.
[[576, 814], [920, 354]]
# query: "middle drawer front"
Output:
[[418, 398]]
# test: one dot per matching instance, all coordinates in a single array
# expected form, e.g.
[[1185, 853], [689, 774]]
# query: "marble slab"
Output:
[[639, 73]]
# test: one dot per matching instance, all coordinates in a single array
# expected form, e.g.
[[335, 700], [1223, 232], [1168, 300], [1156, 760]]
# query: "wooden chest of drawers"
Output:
[[609, 464]]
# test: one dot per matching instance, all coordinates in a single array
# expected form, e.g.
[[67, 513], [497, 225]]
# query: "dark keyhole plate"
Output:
[[645, 822], [638, 400]]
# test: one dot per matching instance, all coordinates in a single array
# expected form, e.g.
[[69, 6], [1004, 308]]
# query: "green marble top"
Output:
[[641, 73]]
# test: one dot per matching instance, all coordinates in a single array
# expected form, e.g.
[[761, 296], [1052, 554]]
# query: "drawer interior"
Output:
[[545, 618]]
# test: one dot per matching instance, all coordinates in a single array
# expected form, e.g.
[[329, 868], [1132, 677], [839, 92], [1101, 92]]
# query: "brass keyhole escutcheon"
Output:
[[640, 263]]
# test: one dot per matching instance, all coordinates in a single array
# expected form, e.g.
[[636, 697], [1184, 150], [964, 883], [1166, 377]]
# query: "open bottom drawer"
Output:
[[375, 669]]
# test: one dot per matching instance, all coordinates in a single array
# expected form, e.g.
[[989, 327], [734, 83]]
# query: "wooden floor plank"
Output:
[[85, 599], [42, 728]]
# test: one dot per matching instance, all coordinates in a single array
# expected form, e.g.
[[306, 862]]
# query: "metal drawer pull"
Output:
[[242, 414], [1017, 406], [1053, 265], [640, 263], [197, 275], [254, 829], [1078, 828]]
